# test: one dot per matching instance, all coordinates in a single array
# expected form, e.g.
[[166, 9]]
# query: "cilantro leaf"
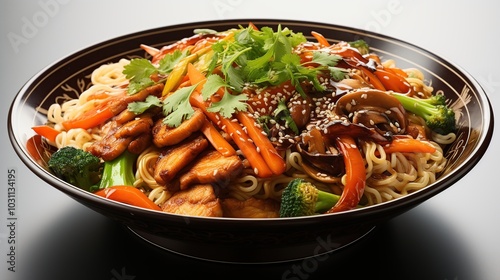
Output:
[[177, 108], [229, 104], [139, 71], [140, 107], [325, 58], [168, 62], [212, 85], [283, 113]]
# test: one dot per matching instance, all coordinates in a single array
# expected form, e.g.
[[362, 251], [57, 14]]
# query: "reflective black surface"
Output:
[[82, 244]]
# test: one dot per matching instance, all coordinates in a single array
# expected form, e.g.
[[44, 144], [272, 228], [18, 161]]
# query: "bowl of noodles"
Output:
[[199, 137]]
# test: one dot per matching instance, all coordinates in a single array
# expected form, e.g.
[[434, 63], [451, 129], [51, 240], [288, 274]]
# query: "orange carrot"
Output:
[[216, 139], [46, 131], [409, 145], [234, 129], [238, 135], [196, 77], [320, 38], [129, 195], [267, 150]]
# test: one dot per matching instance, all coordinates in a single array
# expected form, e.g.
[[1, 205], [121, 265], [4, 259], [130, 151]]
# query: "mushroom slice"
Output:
[[375, 109]]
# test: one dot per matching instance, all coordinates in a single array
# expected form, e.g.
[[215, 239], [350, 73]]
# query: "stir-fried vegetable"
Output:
[[128, 195], [355, 175], [76, 166], [437, 115], [302, 198]]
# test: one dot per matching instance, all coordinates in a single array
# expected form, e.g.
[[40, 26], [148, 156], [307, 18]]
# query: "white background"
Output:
[[464, 32]]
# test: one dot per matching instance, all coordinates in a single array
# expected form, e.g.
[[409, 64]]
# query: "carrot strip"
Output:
[[320, 38], [409, 145], [355, 175], [196, 77], [129, 195], [46, 131], [267, 150], [216, 139], [234, 129], [238, 135]]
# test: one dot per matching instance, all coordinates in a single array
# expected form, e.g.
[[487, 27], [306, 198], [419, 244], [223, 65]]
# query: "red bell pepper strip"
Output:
[[129, 195], [392, 81], [409, 145], [46, 131], [91, 118], [355, 175]]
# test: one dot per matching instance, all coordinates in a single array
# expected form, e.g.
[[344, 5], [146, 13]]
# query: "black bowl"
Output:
[[254, 240]]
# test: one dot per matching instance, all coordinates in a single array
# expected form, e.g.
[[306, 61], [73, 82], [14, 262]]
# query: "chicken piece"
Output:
[[199, 200], [212, 168], [176, 158], [117, 105], [163, 135], [119, 137], [250, 208]]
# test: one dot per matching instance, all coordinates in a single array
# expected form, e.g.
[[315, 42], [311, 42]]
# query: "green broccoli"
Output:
[[119, 171], [437, 115], [76, 166], [361, 45], [301, 198]]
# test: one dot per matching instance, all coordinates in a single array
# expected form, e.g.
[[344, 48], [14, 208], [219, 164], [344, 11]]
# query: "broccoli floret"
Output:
[[437, 115], [361, 45], [301, 198], [119, 171], [76, 166]]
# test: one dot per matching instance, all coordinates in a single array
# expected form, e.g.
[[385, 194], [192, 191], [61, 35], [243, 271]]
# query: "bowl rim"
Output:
[[409, 200]]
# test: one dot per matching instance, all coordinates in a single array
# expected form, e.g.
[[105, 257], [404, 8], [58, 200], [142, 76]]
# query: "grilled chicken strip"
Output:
[[250, 208], [199, 200], [175, 158], [163, 135], [212, 168], [133, 135]]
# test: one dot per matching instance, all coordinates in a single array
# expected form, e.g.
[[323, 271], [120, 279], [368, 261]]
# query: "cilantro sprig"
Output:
[[265, 57], [140, 70]]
